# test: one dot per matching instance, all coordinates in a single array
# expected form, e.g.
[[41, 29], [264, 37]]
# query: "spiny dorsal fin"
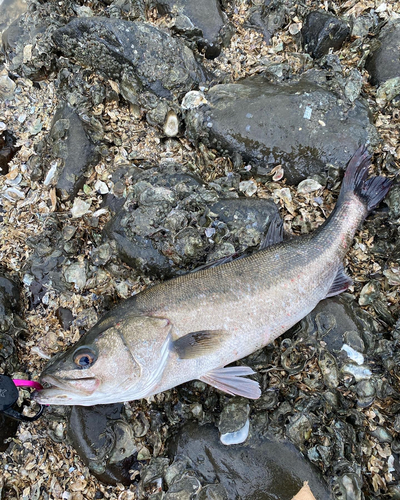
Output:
[[196, 344], [340, 283], [274, 234], [231, 381]]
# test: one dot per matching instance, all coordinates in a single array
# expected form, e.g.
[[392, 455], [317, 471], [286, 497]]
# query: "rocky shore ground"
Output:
[[140, 140]]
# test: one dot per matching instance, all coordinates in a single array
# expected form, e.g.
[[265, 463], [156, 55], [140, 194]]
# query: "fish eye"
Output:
[[84, 357]]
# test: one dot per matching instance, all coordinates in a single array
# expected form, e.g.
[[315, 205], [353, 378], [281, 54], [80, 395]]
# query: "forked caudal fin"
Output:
[[370, 191]]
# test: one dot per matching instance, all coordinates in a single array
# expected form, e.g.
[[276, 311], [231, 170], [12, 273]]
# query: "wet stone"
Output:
[[201, 22], [262, 468], [69, 142], [384, 62], [65, 317], [334, 318], [234, 422], [322, 31], [137, 54], [8, 429], [104, 441], [306, 126]]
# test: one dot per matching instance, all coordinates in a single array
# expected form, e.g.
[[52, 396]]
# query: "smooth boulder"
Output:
[[301, 126]]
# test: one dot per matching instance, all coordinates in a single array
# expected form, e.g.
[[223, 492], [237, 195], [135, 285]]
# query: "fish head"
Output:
[[121, 363]]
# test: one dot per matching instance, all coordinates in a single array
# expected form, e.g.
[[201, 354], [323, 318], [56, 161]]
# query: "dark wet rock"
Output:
[[384, 61], [7, 150], [234, 422], [138, 55], [104, 441], [339, 320], [65, 317], [8, 429], [248, 218], [269, 17], [202, 22], [322, 31], [27, 43], [301, 126], [171, 223], [72, 151], [263, 468], [9, 300]]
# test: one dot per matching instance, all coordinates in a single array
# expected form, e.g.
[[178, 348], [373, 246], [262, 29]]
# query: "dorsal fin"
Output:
[[274, 234]]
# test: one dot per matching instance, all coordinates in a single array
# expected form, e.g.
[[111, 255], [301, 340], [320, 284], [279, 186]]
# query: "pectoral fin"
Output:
[[231, 381], [196, 344], [340, 283]]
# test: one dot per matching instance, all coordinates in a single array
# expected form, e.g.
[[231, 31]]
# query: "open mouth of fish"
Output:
[[56, 388]]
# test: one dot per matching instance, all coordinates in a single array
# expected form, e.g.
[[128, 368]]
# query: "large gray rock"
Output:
[[203, 22], [171, 223], [301, 126], [384, 60], [262, 467], [104, 441], [137, 54]]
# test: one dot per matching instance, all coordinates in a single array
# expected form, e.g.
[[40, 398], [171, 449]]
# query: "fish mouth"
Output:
[[64, 390]]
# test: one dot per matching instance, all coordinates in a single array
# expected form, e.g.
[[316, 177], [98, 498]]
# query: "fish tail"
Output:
[[371, 191]]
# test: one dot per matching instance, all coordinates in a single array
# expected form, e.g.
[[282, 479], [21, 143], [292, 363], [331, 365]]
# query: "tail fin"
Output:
[[371, 191]]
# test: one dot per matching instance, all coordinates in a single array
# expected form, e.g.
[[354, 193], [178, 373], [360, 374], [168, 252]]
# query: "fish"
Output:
[[194, 326]]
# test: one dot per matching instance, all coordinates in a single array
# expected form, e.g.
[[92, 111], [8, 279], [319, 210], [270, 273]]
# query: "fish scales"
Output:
[[191, 327]]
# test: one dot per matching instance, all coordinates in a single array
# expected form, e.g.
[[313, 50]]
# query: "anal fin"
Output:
[[231, 381], [340, 283]]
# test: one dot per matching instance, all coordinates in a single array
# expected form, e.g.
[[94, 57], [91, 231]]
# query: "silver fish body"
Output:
[[193, 326]]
